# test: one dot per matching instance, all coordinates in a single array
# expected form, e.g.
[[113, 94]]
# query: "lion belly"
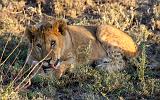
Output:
[[86, 46]]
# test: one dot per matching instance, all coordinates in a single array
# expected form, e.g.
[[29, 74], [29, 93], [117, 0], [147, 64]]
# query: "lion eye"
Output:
[[53, 44], [39, 45]]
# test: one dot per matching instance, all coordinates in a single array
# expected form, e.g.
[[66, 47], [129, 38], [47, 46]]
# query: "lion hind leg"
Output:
[[108, 35], [112, 62], [111, 66]]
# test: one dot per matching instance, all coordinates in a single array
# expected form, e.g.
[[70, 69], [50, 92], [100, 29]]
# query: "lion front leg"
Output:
[[62, 69], [65, 63]]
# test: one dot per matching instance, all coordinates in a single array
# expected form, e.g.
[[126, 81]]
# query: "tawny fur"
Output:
[[80, 45]]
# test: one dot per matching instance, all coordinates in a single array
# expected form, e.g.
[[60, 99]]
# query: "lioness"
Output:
[[67, 45]]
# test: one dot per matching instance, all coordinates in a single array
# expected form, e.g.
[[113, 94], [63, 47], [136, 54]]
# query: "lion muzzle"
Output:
[[47, 64]]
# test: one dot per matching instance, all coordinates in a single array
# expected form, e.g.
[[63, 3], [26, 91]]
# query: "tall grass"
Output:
[[142, 66], [120, 85]]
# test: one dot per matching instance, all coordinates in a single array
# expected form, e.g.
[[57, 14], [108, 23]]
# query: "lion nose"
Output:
[[57, 62], [48, 60]]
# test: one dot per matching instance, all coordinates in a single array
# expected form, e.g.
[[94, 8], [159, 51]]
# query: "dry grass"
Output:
[[140, 81]]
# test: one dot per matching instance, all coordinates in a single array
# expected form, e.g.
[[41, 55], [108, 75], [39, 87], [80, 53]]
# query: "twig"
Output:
[[4, 49], [29, 80], [33, 70], [12, 62], [11, 53], [24, 65]]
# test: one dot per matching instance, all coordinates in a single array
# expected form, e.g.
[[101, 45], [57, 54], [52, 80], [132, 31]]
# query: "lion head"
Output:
[[47, 39]]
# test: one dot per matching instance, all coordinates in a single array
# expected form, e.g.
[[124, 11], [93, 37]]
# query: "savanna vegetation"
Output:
[[139, 18]]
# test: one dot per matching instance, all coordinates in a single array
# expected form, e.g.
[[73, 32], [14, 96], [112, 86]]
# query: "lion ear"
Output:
[[30, 33], [60, 26]]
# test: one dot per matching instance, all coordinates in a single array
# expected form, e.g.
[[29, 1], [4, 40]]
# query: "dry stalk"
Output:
[[24, 66], [18, 87], [28, 83], [13, 62], [5, 47], [11, 52]]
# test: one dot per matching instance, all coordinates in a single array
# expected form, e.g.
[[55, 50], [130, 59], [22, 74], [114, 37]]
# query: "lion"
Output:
[[65, 46]]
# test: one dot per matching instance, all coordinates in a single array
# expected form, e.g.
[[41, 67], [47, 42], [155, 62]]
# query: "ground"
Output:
[[141, 20]]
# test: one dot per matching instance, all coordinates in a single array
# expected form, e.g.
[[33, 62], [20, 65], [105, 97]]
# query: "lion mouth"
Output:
[[46, 65], [55, 65]]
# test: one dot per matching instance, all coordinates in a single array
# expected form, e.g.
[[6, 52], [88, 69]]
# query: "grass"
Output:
[[138, 81]]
